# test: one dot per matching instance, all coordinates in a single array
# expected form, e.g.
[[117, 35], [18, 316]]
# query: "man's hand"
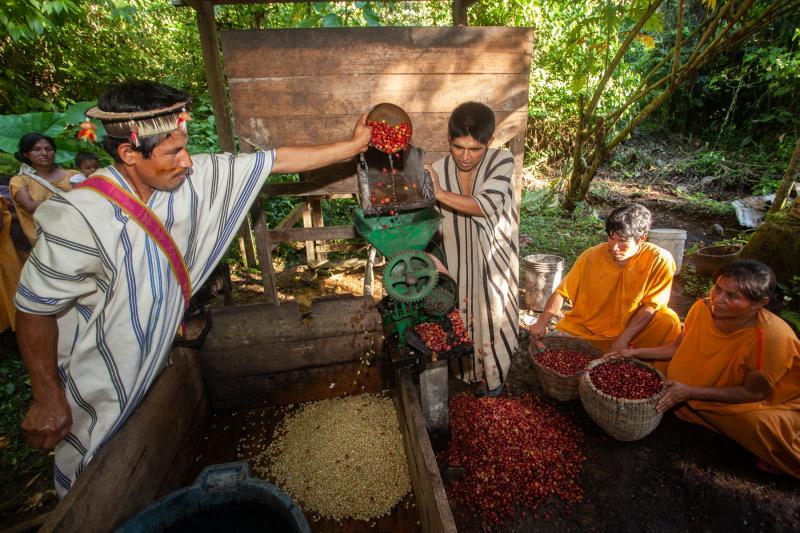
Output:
[[362, 133], [47, 422], [537, 332], [618, 345], [624, 354], [676, 393], [437, 188]]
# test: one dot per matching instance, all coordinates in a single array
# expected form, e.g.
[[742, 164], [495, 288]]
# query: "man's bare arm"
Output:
[[640, 319], [289, 159], [48, 419]]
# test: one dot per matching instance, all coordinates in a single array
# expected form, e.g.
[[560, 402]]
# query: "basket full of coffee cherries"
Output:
[[621, 397]]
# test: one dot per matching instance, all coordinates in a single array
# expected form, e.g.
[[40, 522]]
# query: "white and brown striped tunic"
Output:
[[482, 255]]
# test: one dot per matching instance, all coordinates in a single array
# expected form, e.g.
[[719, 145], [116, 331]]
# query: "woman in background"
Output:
[[39, 178]]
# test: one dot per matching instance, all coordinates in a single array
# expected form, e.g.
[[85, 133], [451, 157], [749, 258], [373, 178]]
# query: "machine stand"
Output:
[[434, 402]]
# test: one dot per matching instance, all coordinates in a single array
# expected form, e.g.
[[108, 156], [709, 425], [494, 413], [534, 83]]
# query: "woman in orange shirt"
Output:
[[736, 368]]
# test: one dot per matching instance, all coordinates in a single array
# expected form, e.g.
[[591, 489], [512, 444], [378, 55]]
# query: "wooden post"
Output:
[[209, 42], [460, 12], [319, 222], [215, 78], [264, 249], [308, 222], [517, 146]]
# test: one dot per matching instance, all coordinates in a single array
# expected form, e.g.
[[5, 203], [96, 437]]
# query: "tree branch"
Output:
[[623, 49], [678, 37]]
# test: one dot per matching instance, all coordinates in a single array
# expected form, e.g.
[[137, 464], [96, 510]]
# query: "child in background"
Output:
[[87, 164]]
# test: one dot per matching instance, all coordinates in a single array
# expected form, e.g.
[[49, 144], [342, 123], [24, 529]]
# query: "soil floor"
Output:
[[681, 477]]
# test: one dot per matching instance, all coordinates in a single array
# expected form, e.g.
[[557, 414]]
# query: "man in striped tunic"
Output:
[[475, 192], [100, 298]]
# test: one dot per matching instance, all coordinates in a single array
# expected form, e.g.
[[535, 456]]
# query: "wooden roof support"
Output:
[[460, 12], [215, 77]]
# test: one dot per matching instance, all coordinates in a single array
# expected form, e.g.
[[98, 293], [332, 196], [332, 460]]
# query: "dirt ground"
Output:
[[679, 478]]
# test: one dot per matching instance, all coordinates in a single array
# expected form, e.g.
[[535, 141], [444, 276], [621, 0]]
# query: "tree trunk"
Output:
[[788, 179]]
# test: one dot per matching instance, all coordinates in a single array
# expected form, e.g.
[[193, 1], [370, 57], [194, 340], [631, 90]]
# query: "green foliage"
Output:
[[544, 228], [203, 127], [15, 396], [61, 126], [75, 57], [790, 293], [701, 202], [26, 19], [694, 284]]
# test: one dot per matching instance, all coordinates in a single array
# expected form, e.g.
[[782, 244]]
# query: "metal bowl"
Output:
[[391, 114]]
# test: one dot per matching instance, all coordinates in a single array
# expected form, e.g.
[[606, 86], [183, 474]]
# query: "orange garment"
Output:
[[605, 295], [707, 357], [10, 267], [39, 193]]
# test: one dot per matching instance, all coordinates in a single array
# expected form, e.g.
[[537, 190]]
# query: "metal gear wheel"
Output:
[[439, 301], [409, 276]]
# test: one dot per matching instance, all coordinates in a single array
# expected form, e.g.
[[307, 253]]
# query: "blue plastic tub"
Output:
[[224, 498]]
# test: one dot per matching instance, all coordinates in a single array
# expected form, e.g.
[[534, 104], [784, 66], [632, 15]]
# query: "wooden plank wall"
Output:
[[267, 352], [308, 86]]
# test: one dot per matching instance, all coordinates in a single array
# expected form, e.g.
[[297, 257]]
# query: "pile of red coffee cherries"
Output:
[[388, 138], [433, 335], [518, 453], [563, 362], [626, 380], [438, 339]]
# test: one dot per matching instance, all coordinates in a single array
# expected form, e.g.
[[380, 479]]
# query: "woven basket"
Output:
[[563, 388], [621, 418]]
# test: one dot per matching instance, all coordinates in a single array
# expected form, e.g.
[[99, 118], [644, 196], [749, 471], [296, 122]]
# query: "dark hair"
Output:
[[138, 95], [471, 119], [630, 221], [27, 142], [80, 157], [755, 279]]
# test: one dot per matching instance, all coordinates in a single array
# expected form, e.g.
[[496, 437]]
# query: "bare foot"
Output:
[[768, 468]]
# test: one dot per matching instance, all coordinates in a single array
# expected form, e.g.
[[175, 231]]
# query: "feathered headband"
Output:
[[136, 125]]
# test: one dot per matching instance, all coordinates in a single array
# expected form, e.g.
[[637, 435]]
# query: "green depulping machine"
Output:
[[396, 216], [416, 291]]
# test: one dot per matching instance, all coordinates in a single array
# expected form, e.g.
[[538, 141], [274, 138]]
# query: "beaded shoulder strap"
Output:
[[149, 223]]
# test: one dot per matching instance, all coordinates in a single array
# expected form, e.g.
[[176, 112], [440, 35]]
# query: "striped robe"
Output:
[[116, 298], [482, 255]]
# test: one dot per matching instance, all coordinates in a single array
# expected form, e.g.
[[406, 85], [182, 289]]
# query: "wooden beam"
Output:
[[308, 223], [290, 220], [317, 222], [460, 13], [246, 244], [432, 503], [344, 188], [328, 233], [215, 76], [517, 149]]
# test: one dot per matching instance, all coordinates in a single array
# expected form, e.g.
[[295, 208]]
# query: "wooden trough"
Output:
[[254, 355]]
